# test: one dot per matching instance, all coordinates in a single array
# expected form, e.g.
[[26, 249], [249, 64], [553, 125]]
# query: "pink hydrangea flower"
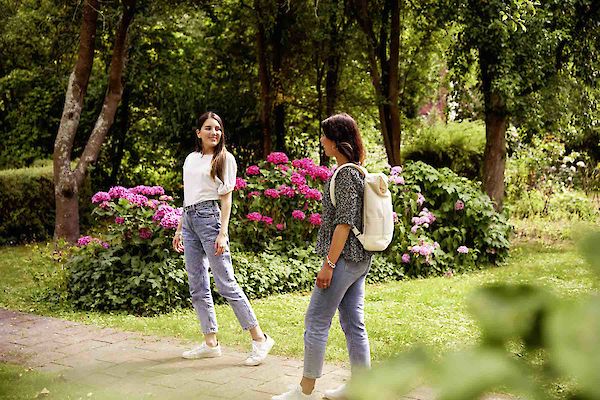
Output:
[[459, 205], [277, 157], [100, 197], [396, 179], [405, 258], [280, 227], [463, 249], [171, 219], [145, 233], [414, 228], [254, 193], [420, 199], [297, 214], [298, 179], [315, 219], [272, 193], [117, 192], [136, 199], [162, 210], [119, 220], [397, 170], [287, 191], [304, 163], [267, 220], [254, 216], [253, 170], [313, 194], [240, 184], [84, 240], [283, 167]]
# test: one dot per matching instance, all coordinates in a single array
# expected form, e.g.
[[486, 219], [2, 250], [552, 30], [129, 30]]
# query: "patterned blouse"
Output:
[[349, 191]]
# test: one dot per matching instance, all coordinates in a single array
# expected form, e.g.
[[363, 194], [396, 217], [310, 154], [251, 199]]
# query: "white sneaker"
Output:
[[260, 350], [338, 393], [295, 393], [203, 351]]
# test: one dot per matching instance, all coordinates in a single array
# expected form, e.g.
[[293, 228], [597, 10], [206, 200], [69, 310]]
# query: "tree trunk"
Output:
[[264, 80], [67, 182], [277, 50], [121, 134], [65, 186], [384, 71], [496, 123]]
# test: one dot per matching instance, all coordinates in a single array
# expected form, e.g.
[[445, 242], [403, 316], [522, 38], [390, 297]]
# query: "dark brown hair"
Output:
[[218, 161], [343, 130]]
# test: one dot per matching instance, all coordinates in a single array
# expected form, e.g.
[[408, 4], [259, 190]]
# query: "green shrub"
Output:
[[455, 145], [445, 222], [541, 181], [27, 204]]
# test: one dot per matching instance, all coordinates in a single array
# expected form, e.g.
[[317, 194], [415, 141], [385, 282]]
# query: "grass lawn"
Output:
[[18, 382], [399, 314]]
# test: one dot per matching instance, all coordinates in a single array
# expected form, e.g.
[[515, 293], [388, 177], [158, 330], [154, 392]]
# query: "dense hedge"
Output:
[[27, 204]]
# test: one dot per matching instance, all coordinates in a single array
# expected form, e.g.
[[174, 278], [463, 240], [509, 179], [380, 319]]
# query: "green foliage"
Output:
[[543, 181], [462, 216], [27, 204], [559, 338], [455, 145]]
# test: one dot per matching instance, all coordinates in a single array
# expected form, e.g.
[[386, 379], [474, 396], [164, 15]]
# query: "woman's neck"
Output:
[[208, 152], [341, 160]]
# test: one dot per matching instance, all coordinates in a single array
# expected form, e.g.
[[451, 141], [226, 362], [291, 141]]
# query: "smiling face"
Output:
[[210, 135]]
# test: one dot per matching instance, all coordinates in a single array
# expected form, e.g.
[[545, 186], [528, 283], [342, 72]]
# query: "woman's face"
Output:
[[328, 146], [210, 134]]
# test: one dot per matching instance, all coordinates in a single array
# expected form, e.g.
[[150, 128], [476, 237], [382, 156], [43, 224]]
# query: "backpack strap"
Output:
[[362, 170]]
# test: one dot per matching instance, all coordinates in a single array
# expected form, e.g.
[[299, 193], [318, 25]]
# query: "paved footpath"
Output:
[[142, 366]]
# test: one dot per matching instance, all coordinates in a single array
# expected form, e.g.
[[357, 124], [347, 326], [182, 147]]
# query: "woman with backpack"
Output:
[[340, 284]]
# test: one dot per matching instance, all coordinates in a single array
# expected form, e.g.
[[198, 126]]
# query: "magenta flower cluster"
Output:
[[168, 217], [253, 170], [87, 240], [278, 158]]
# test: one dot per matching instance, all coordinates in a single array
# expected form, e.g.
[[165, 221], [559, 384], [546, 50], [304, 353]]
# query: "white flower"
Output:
[[573, 169], [580, 164]]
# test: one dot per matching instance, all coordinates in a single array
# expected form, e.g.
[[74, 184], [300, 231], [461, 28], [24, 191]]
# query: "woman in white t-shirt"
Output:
[[208, 180]]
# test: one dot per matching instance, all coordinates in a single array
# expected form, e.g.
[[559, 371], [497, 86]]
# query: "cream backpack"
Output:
[[378, 218]]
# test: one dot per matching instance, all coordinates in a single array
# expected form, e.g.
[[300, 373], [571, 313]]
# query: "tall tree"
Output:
[[67, 180], [519, 46], [401, 38]]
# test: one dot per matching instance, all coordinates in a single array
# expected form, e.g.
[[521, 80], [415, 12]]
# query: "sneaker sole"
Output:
[[201, 357]]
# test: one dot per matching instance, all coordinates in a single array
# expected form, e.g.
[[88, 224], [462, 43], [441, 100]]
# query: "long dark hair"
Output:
[[218, 161], [343, 130]]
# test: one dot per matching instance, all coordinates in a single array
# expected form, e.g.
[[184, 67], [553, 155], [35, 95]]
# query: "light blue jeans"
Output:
[[346, 294], [201, 224]]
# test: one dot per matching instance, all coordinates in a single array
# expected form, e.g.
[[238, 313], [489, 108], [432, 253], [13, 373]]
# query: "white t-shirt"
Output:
[[197, 183]]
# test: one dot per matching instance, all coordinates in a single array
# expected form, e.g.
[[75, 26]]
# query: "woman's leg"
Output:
[[352, 320], [322, 307], [196, 264], [222, 271]]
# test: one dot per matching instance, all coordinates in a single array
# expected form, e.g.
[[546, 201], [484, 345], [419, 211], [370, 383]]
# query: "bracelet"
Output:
[[330, 263]]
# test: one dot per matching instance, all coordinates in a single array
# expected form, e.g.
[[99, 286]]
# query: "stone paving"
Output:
[[147, 367], [143, 366]]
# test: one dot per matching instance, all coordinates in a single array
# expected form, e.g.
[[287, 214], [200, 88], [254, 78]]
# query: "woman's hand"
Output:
[[324, 276], [220, 244], [178, 242]]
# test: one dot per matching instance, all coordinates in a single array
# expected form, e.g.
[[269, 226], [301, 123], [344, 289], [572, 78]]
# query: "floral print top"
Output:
[[349, 192]]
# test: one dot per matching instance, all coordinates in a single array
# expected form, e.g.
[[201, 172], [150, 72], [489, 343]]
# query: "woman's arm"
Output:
[[338, 241], [221, 242]]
